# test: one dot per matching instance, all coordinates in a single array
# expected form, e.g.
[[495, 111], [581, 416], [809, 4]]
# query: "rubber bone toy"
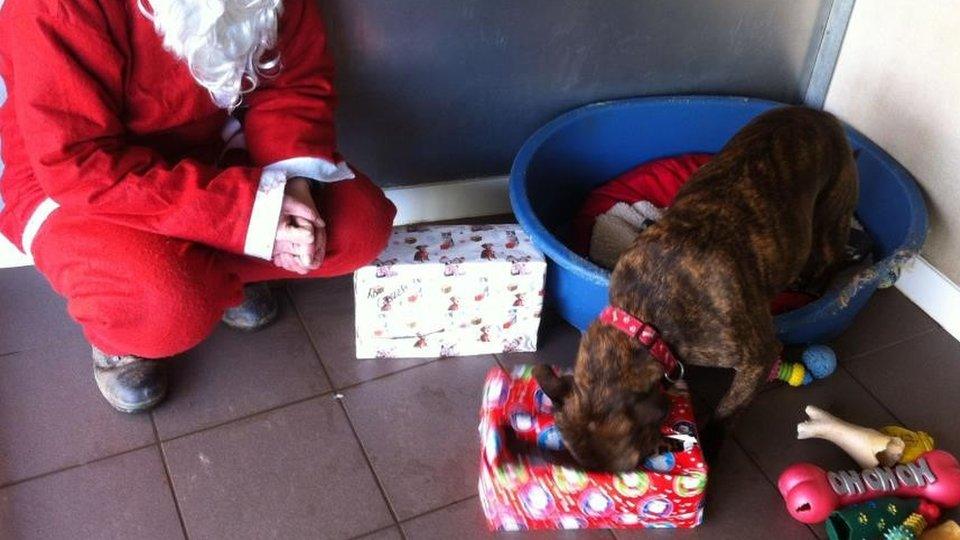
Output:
[[868, 447], [811, 493]]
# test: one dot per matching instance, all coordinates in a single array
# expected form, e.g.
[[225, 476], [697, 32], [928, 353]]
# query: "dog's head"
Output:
[[610, 415]]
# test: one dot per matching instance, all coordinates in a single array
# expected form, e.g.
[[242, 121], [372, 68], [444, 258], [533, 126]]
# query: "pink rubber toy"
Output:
[[812, 494]]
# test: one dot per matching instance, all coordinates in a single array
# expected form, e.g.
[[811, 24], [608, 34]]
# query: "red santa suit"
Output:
[[114, 181]]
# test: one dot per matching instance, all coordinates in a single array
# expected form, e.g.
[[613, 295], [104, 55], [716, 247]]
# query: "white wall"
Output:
[[898, 81]]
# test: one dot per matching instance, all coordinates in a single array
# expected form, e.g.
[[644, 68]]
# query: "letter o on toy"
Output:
[[837, 483]]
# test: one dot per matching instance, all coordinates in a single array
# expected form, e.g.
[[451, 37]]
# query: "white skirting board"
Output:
[[932, 292], [923, 284], [426, 202], [451, 200]]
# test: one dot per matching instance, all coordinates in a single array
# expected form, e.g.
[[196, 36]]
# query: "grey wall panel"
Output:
[[445, 89]]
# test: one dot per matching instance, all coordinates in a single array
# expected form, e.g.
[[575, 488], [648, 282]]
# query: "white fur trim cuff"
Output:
[[39, 215], [314, 168], [262, 230]]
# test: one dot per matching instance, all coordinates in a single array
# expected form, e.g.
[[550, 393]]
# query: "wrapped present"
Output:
[[450, 290], [528, 481]]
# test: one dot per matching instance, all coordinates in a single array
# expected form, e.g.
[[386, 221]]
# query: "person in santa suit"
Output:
[[163, 158]]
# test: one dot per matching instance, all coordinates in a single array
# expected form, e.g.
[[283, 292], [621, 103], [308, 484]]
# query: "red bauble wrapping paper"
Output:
[[528, 482]]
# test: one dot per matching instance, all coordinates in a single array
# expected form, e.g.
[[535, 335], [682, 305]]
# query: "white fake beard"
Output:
[[222, 41]]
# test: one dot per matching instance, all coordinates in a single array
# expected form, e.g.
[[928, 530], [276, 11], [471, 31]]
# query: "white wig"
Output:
[[222, 41]]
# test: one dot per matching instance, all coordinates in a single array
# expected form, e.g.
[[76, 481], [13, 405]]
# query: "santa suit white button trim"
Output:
[[39, 215]]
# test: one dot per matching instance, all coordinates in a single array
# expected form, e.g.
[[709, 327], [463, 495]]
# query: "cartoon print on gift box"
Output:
[[519, 300], [452, 266], [569, 480], [476, 238], [536, 501], [662, 463], [512, 240], [483, 292], [543, 402], [488, 252], [448, 350], [513, 345], [684, 428], [446, 240], [410, 240], [478, 228], [656, 507], [511, 475], [632, 484], [572, 522], [421, 342], [485, 334], [550, 439], [690, 485], [422, 255], [454, 304], [594, 502], [385, 268], [519, 266], [386, 303]]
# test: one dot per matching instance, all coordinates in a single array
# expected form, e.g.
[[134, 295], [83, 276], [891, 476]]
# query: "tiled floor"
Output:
[[283, 434]]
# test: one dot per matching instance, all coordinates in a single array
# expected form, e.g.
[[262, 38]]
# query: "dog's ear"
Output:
[[556, 388]]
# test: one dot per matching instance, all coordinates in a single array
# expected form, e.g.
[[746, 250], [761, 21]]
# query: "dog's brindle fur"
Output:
[[772, 208]]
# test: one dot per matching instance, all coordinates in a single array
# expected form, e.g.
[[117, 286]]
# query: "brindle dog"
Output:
[[771, 209]]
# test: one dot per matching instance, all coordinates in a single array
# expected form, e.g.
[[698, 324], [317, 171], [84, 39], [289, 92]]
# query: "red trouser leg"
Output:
[[135, 292]]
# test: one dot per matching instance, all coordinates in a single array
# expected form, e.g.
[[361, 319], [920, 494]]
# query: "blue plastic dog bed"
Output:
[[565, 159]]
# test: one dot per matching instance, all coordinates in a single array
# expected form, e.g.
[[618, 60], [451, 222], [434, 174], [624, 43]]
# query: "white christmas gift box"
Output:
[[450, 290]]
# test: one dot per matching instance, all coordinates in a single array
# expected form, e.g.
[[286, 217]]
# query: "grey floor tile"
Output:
[[768, 429], [126, 496], [52, 415], [419, 428], [327, 310], [741, 504], [32, 314], [233, 374], [918, 380], [887, 318], [464, 521], [296, 472], [390, 533]]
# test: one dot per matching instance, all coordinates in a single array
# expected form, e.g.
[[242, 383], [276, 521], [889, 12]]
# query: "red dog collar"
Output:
[[648, 336]]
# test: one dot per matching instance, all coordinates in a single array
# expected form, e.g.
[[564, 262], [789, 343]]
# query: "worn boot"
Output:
[[130, 384], [259, 309]]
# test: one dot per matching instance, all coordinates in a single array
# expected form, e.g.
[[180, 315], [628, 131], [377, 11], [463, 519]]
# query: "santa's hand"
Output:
[[293, 246], [301, 238]]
